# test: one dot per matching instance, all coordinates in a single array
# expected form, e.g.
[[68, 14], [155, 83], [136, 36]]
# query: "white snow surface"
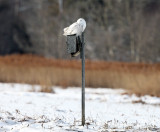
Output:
[[107, 110]]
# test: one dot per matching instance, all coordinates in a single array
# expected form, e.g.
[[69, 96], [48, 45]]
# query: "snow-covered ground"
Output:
[[106, 110]]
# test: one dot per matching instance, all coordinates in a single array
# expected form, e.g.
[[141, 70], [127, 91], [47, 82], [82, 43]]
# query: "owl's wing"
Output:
[[72, 29]]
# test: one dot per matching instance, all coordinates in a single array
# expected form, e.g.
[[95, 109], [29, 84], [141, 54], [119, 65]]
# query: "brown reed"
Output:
[[139, 78]]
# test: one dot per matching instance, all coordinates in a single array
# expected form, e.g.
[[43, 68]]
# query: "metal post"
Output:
[[83, 80]]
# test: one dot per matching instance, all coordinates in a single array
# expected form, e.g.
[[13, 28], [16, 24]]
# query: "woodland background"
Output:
[[117, 30]]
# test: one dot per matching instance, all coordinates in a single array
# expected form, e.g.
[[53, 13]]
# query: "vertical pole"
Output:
[[83, 80]]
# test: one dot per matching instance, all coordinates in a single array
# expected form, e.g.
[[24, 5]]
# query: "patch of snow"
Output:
[[106, 110]]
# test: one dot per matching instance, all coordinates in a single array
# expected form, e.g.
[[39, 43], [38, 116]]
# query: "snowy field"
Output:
[[107, 110]]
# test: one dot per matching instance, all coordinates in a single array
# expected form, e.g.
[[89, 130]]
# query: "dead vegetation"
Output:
[[138, 77]]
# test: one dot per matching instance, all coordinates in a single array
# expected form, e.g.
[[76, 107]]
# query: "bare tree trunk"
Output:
[[140, 35], [131, 32], [60, 32], [16, 8], [111, 53], [43, 19], [60, 6]]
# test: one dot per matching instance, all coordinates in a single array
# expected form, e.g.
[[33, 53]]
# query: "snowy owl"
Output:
[[76, 28]]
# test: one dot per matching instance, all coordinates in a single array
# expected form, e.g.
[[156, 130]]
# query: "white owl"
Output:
[[76, 28]]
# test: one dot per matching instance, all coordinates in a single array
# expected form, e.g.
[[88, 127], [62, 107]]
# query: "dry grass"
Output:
[[138, 77]]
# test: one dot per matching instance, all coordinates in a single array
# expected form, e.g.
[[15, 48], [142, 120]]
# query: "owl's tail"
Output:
[[65, 31]]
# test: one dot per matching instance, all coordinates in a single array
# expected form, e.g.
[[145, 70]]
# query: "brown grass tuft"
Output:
[[139, 78], [46, 89]]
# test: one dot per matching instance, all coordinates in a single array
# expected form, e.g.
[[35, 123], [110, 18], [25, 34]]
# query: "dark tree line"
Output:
[[117, 30]]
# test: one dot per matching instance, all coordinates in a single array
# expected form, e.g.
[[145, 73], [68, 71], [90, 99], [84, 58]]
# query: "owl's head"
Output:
[[82, 22]]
